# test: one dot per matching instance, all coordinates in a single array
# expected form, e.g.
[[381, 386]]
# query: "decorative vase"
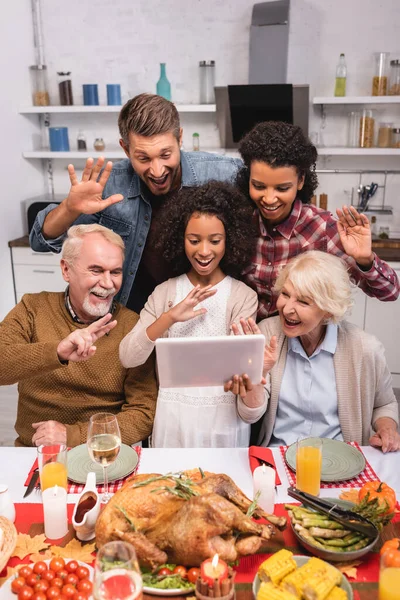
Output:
[[163, 85]]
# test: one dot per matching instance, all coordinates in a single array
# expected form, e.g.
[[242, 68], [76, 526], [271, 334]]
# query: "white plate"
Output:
[[7, 594], [171, 592]]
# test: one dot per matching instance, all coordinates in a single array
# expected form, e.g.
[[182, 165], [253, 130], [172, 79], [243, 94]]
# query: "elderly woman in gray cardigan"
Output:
[[330, 378]]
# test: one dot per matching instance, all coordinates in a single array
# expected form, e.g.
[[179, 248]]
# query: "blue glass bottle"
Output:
[[163, 85]]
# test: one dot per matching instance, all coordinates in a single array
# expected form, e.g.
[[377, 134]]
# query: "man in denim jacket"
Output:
[[129, 196]]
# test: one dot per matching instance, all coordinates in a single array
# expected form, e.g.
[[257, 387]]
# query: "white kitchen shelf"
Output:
[[182, 108], [336, 151], [356, 100], [108, 154]]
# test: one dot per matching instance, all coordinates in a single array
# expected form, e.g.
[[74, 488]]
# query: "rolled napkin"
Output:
[[258, 456]]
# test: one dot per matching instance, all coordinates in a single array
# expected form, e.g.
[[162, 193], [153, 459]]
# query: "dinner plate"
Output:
[[300, 561], [80, 464], [5, 589], [173, 592], [340, 461]]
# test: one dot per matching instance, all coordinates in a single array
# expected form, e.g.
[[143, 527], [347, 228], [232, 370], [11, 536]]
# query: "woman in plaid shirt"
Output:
[[279, 177]]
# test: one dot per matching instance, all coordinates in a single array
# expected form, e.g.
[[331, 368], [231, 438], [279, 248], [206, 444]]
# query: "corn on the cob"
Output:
[[318, 586], [277, 566], [337, 594], [294, 582], [270, 591]]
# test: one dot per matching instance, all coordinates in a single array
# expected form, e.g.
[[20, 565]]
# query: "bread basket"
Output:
[[8, 541]]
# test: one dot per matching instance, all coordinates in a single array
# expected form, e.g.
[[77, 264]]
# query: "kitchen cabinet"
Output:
[[35, 272]]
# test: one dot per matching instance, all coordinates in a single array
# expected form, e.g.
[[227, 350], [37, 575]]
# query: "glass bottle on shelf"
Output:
[[99, 145], [163, 85], [394, 85], [380, 79], [81, 141], [396, 137], [341, 74], [40, 94], [65, 88], [196, 142], [353, 129], [207, 81]]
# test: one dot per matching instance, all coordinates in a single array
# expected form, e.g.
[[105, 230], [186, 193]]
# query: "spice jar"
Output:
[[367, 124], [207, 81], [385, 135], [81, 141], [99, 145], [65, 88], [396, 137], [40, 95], [196, 142], [394, 86], [380, 79]]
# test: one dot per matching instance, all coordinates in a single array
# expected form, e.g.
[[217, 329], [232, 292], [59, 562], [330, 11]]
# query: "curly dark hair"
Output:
[[279, 144], [214, 198]]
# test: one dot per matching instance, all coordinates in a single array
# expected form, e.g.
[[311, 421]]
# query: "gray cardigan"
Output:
[[136, 347], [363, 382]]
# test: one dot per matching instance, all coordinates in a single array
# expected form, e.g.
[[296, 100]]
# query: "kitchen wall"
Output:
[[125, 41]]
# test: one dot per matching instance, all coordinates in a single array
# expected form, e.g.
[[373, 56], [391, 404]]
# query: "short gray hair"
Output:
[[321, 277], [75, 234]]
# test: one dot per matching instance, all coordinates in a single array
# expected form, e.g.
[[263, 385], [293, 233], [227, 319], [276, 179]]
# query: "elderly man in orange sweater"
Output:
[[62, 349]]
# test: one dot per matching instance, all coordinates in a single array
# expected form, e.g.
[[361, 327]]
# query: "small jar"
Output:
[[65, 88], [40, 94], [7, 508], [385, 135], [396, 137], [380, 79], [394, 78], [196, 142], [81, 141], [99, 145], [207, 81], [367, 125], [353, 131]]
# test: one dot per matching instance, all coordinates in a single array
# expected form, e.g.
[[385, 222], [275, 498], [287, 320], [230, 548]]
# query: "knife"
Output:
[[32, 483]]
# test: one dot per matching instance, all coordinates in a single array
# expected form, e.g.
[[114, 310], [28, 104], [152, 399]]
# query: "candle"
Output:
[[55, 512], [264, 484], [212, 569]]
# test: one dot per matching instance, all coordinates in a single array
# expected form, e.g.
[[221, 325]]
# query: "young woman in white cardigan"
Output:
[[331, 378], [205, 237]]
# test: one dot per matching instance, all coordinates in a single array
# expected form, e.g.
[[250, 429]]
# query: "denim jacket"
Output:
[[131, 217]]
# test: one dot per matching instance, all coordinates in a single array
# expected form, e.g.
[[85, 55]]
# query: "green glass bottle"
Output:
[[163, 85], [341, 74]]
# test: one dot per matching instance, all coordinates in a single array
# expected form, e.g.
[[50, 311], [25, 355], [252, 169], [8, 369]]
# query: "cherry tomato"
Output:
[[25, 593], [82, 572], [85, 586], [40, 567], [79, 596], [72, 578], [57, 564], [48, 575], [25, 572], [164, 571], [39, 596], [68, 590], [32, 579], [17, 584], [41, 586], [193, 574], [180, 570], [57, 582], [63, 573], [53, 592], [71, 566]]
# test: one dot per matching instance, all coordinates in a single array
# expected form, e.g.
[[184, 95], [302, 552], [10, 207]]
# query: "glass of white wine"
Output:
[[104, 443], [117, 575]]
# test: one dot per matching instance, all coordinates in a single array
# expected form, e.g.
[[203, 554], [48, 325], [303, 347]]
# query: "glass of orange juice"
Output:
[[389, 576], [52, 462], [309, 465]]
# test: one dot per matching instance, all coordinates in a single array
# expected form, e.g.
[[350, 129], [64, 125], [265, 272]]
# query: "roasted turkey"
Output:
[[178, 520]]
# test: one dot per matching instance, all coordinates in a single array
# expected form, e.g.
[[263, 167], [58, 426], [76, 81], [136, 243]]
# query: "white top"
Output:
[[199, 417]]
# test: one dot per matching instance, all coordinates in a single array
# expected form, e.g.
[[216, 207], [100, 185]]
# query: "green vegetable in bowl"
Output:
[[166, 582]]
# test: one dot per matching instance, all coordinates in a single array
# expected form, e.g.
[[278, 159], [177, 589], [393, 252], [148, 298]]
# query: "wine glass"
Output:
[[104, 443], [116, 573]]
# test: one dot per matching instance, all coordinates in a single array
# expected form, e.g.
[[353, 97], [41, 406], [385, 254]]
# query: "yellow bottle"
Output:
[[341, 74]]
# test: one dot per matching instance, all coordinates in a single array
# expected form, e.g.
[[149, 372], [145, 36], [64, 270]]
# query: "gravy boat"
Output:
[[87, 510]]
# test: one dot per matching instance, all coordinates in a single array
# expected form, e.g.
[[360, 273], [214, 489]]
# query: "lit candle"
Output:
[[264, 483], [55, 512], [214, 568]]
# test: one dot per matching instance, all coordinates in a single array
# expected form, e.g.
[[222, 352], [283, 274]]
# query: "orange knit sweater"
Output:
[[71, 393]]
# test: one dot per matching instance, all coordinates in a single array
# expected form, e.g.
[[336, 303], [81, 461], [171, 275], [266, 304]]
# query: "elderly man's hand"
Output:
[[49, 432], [78, 346], [386, 437]]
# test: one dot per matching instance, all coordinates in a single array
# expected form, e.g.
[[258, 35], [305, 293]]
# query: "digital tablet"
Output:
[[195, 362]]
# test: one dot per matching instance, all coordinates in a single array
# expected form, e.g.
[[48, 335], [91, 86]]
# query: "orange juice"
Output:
[[389, 584], [53, 473], [308, 469]]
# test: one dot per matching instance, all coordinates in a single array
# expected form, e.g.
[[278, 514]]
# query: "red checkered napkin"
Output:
[[368, 474], [77, 488]]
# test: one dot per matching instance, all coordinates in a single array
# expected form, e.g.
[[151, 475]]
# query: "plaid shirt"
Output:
[[308, 228]]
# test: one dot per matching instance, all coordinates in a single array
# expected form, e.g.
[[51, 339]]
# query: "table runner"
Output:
[[77, 488], [368, 474]]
